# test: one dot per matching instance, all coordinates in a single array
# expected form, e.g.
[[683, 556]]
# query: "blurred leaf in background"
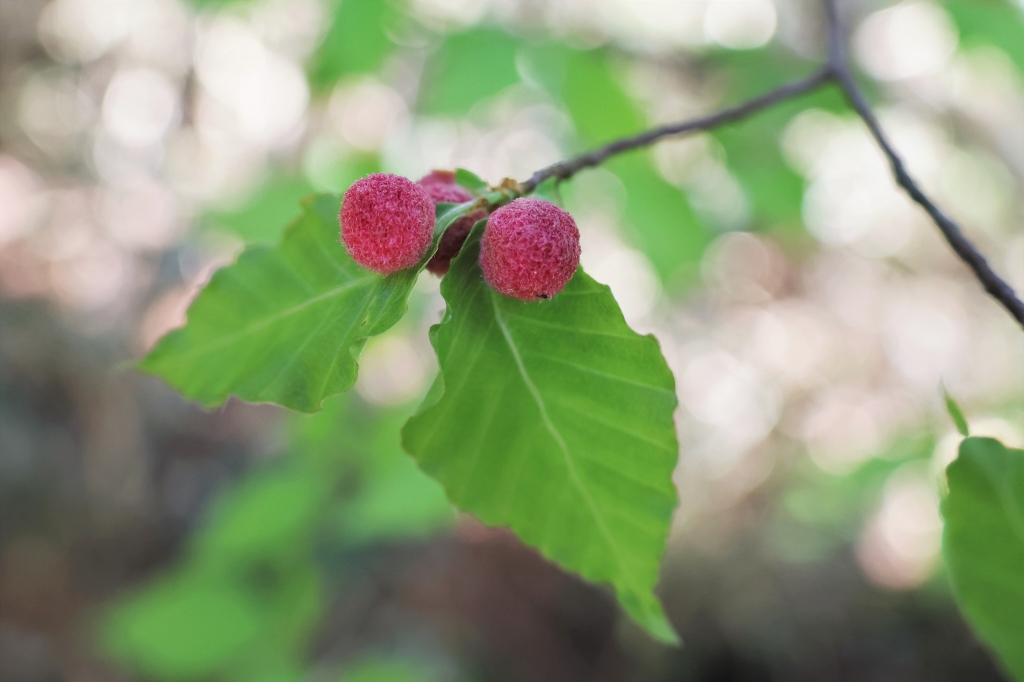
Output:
[[384, 670], [185, 628], [823, 512], [990, 22], [357, 41], [264, 216], [277, 202], [267, 515], [468, 68], [243, 603], [753, 146]]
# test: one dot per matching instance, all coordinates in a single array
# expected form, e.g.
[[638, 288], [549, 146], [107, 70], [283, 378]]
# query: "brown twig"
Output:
[[836, 70], [993, 283], [566, 169]]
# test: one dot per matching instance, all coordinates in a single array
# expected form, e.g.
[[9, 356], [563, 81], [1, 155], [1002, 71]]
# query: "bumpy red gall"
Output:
[[387, 222], [530, 250], [441, 187]]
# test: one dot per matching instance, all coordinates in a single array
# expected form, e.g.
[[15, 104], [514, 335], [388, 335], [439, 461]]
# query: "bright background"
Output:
[[811, 314]]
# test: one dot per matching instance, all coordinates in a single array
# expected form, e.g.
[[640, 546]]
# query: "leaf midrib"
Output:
[[253, 328], [574, 475]]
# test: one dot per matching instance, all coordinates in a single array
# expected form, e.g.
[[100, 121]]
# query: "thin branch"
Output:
[[566, 169], [993, 283]]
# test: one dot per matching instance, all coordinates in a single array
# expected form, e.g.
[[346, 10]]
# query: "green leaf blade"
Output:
[[983, 544], [956, 414], [470, 180], [555, 419], [356, 41], [183, 629], [282, 325], [454, 81]]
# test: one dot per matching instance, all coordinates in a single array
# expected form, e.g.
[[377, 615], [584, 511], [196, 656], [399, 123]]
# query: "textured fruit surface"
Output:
[[530, 250], [387, 222], [452, 240], [441, 186]]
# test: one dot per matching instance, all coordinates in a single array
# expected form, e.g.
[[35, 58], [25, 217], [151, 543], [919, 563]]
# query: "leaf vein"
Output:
[[574, 474]]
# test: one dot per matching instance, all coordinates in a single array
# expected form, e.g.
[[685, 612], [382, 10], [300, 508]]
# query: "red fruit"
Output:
[[387, 222], [530, 250], [452, 240], [441, 187]]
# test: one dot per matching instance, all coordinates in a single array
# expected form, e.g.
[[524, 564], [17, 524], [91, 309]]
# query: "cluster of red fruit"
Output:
[[530, 249]]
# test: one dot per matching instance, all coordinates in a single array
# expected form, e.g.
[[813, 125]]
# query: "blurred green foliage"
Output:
[[357, 41], [264, 216], [822, 512], [186, 628], [454, 80], [251, 589], [990, 22], [382, 670], [752, 146]]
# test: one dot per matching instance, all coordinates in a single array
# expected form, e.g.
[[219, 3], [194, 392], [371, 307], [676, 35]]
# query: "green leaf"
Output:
[[446, 214], [469, 67], [357, 41], [470, 180], [555, 419], [333, 170], [395, 499], [267, 514], [297, 599], [956, 414], [660, 220], [601, 110], [549, 190], [983, 544], [282, 325], [990, 22], [183, 629], [263, 217], [383, 670], [752, 146]]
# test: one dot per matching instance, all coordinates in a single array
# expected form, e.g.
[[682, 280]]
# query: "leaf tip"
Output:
[[956, 414]]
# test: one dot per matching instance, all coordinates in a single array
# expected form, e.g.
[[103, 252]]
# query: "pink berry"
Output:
[[387, 222], [441, 187], [530, 250], [452, 240]]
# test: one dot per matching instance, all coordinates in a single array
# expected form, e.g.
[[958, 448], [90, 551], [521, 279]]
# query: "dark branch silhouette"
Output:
[[837, 70], [566, 169], [992, 282]]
